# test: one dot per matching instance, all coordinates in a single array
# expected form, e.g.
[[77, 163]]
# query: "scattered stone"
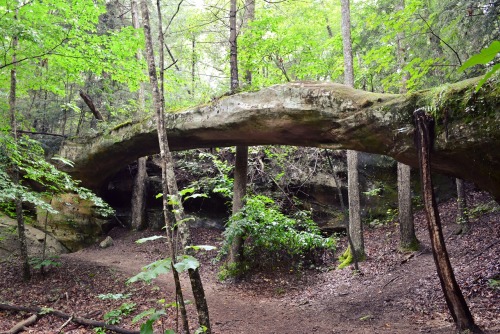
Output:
[[108, 242]]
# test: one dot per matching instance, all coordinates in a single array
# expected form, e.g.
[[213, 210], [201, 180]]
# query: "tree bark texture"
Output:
[[462, 218], [165, 155], [88, 101], [248, 17], [138, 204], [239, 192], [200, 300], [355, 225], [169, 182], [407, 238], [455, 300], [233, 48], [23, 247], [347, 43]]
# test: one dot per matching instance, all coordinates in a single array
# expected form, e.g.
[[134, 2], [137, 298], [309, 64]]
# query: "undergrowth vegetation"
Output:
[[273, 239]]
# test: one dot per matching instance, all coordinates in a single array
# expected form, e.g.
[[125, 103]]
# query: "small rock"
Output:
[[108, 242]]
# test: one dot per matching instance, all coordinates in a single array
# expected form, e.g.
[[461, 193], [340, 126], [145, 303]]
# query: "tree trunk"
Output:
[[239, 192], [452, 293], [462, 218], [88, 101], [408, 239], [164, 154], [233, 50], [138, 205], [23, 248], [355, 226], [247, 18]]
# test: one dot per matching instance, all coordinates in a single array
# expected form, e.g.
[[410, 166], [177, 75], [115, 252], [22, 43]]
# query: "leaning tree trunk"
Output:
[[355, 226], [452, 293], [165, 155]]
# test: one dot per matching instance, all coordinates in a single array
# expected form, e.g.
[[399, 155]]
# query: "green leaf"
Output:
[[152, 271], [114, 296], [485, 56], [187, 262], [147, 327], [201, 247], [64, 160], [169, 331], [154, 237], [487, 76]]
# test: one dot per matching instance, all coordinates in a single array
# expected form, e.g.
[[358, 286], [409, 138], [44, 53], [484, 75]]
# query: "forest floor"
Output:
[[395, 292]]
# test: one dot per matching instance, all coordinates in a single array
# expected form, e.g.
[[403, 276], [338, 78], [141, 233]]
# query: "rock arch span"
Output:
[[322, 115]]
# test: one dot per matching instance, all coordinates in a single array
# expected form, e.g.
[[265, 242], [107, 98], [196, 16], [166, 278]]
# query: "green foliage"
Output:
[[494, 283], [114, 317], [164, 266], [484, 57], [152, 315], [28, 157], [39, 263], [482, 209], [270, 232], [213, 177], [114, 296], [152, 271], [99, 330]]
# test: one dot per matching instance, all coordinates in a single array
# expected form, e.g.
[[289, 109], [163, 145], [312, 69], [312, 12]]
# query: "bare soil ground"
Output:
[[396, 292]]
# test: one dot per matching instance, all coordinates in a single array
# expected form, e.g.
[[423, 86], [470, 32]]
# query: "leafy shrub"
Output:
[[270, 235]]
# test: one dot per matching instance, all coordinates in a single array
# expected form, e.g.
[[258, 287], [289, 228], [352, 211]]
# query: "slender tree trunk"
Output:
[[23, 248], [139, 196], [138, 205], [462, 218], [248, 17], [241, 164], [193, 62], [408, 239], [233, 51], [169, 181], [452, 293], [239, 192], [164, 154], [355, 226]]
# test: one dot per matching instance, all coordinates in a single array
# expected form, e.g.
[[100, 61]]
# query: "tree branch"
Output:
[[75, 319]]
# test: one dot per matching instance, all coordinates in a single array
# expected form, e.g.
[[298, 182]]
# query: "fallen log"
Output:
[[21, 325], [60, 314]]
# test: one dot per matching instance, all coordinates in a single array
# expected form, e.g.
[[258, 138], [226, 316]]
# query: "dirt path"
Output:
[[395, 294]]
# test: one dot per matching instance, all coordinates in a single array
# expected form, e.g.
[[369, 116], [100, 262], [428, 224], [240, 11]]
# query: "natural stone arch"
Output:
[[325, 115]]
